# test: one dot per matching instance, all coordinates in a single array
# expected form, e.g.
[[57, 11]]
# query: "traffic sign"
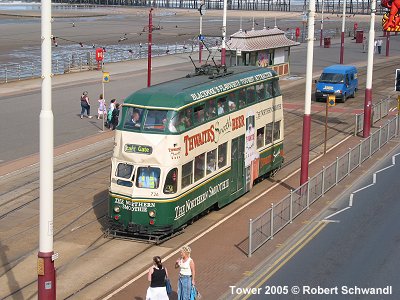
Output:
[[106, 77], [331, 100], [201, 37]]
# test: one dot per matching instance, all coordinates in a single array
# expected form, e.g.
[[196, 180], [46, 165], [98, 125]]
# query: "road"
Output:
[[20, 101], [356, 247]]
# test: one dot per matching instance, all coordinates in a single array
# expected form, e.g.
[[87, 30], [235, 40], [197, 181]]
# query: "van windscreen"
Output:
[[331, 78]]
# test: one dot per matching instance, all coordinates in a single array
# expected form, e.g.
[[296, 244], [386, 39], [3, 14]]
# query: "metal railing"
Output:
[[379, 110], [265, 226], [85, 59]]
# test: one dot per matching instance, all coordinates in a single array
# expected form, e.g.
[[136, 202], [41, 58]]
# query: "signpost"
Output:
[[106, 79], [330, 101]]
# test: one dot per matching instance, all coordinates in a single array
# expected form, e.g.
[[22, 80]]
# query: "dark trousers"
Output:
[[379, 49], [85, 106]]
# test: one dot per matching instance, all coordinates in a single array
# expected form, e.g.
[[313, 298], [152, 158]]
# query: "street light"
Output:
[[322, 25], [202, 11], [342, 35], [223, 46]]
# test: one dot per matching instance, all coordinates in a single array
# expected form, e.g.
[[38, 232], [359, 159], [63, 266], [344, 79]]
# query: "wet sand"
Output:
[[104, 26]]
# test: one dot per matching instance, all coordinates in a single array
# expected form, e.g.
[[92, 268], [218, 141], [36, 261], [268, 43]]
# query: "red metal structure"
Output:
[[149, 47]]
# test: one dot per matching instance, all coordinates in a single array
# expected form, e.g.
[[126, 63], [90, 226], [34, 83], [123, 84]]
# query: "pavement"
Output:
[[219, 253]]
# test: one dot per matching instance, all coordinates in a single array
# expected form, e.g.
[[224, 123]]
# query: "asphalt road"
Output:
[[357, 249]]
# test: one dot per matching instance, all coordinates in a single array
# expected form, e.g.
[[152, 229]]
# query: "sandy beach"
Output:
[[103, 26]]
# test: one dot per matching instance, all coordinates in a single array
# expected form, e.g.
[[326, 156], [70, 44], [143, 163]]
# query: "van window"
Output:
[[331, 78]]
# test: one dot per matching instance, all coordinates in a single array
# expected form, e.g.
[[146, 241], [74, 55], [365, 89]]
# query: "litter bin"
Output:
[[359, 36], [327, 42]]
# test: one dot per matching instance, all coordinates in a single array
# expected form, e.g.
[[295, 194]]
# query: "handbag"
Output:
[[168, 286], [194, 293]]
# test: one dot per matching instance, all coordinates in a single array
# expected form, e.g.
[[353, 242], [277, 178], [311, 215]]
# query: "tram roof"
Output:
[[177, 93]]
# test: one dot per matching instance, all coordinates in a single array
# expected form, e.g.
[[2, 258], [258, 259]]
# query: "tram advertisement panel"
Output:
[[251, 155]]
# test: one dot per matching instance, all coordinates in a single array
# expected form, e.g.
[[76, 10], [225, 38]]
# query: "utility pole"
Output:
[[149, 48], [201, 11], [342, 35], [370, 64], [223, 46], [46, 256], [305, 149]]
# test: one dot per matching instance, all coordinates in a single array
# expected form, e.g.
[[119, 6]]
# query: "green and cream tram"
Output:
[[185, 146]]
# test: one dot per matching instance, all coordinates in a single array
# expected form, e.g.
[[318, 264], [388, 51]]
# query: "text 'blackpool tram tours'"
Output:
[[188, 145]]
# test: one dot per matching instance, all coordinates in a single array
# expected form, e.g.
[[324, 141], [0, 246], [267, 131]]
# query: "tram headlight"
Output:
[[152, 213], [117, 209]]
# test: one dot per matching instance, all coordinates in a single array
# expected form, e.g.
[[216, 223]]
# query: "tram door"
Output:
[[237, 165]]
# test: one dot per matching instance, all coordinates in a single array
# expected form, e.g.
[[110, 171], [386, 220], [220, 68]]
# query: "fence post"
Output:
[[33, 70], [19, 72], [337, 170], [308, 193], [379, 137], [356, 126], [5, 75], [370, 145], [291, 206], [359, 157], [323, 180], [349, 160], [250, 236], [272, 221]]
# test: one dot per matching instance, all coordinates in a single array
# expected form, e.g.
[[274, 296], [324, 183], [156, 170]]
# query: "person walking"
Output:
[[364, 44], [102, 110], [109, 113], [187, 273], [379, 45], [157, 275], [85, 105]]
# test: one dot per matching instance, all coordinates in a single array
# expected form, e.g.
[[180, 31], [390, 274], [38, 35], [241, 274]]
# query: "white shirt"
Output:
[[185, 267]]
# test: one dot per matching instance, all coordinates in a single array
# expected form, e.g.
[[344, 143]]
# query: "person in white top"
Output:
[[187, 273]]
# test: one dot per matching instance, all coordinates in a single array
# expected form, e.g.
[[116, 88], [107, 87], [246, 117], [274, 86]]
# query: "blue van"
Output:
[[340, 80]]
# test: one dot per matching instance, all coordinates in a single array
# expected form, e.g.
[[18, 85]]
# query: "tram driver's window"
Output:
[[171, 181], [211, 161], [148, 177], [268, 133], [277, 130], [260, 137], [222, 151], [187, 174], [133, 118], [251, 94], [155, 120], [199, 162], [260, 88]]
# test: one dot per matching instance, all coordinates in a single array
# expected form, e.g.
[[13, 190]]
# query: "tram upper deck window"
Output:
[[251, 94], [199, 114], [221, 106], [132, 118], [148, 177], [155, 120], [171, 180], [211, 112], [180, 121], [260, 90], [276, 91], [232, 101]]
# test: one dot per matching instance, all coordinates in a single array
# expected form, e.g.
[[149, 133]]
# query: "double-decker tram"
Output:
[[192, 144]]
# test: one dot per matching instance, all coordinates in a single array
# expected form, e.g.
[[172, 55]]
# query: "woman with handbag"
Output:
[[157, 276], [186, 274]]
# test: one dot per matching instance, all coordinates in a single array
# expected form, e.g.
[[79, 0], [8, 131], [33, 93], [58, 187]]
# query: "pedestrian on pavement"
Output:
[[187, 273], [109, 114], [375, 46], [379, 44], [85, 105], [114, 117], [157, 276], [364, 44], [102, 110]]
